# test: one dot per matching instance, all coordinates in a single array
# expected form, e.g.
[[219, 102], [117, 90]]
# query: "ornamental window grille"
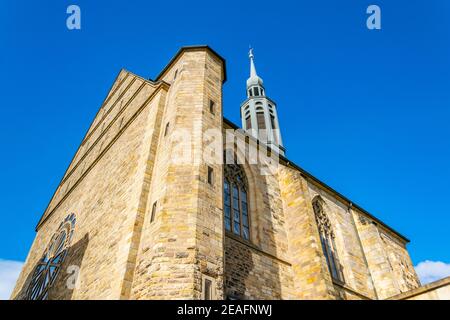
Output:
[[49, 266], [327, 239]]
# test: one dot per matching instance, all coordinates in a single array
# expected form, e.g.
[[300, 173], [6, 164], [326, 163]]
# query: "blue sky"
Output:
[[365, 111]]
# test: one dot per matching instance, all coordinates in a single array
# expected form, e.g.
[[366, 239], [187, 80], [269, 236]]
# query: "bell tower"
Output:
[[259, 113]]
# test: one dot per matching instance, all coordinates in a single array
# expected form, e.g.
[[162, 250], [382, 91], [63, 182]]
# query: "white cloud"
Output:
[[9, 272], [429, 271]]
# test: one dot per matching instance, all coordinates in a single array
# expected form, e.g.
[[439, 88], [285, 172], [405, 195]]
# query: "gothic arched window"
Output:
[[236, 201], [49, 266], [327, 240]]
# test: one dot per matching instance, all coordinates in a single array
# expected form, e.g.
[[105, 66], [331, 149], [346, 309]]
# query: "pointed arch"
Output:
[[236, 208], [327, 237]]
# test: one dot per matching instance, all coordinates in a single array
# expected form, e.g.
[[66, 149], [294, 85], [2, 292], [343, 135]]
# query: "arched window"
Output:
[[248, 122], [260, 119], [236, 201], [327, 240], [272, 122], [48, 268]]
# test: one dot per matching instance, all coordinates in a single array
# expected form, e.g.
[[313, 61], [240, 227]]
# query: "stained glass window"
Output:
[[236, 214], [48, 268]]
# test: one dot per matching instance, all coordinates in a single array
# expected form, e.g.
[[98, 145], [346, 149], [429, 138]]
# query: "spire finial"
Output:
[[252, 63]]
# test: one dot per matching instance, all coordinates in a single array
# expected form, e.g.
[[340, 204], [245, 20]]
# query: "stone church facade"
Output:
[[129, 221]]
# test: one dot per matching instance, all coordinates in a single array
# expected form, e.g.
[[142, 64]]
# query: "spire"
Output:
[[252, 64], [254, 79], [259, 113]]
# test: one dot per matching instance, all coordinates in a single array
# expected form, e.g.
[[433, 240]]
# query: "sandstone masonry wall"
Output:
[[105, 198], [184, 242], [150, 225]]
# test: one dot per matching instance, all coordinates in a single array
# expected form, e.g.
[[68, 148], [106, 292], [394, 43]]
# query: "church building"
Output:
[[164, 199]]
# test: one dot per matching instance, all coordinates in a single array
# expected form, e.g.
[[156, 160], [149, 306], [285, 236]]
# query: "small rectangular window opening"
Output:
[[208, 288], [210, 175], [166, 130], [152, 217]]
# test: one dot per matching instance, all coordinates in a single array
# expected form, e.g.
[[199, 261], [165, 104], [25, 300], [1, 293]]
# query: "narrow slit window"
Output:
[[248, 122], [227, 205], [210, 175], [208, 289], [212, 106], [166, 130], [152, 217], [272, 121], [261, 121]]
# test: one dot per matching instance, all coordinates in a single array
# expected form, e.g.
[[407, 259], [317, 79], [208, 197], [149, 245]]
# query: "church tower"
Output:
[[259, 113]]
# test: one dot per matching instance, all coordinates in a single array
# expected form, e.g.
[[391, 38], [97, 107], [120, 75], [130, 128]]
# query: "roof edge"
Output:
[[422, 289], [193, 48], [333, 191], [45, 215]]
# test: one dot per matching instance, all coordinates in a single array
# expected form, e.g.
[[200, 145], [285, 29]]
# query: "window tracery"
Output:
[[48, 268]]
